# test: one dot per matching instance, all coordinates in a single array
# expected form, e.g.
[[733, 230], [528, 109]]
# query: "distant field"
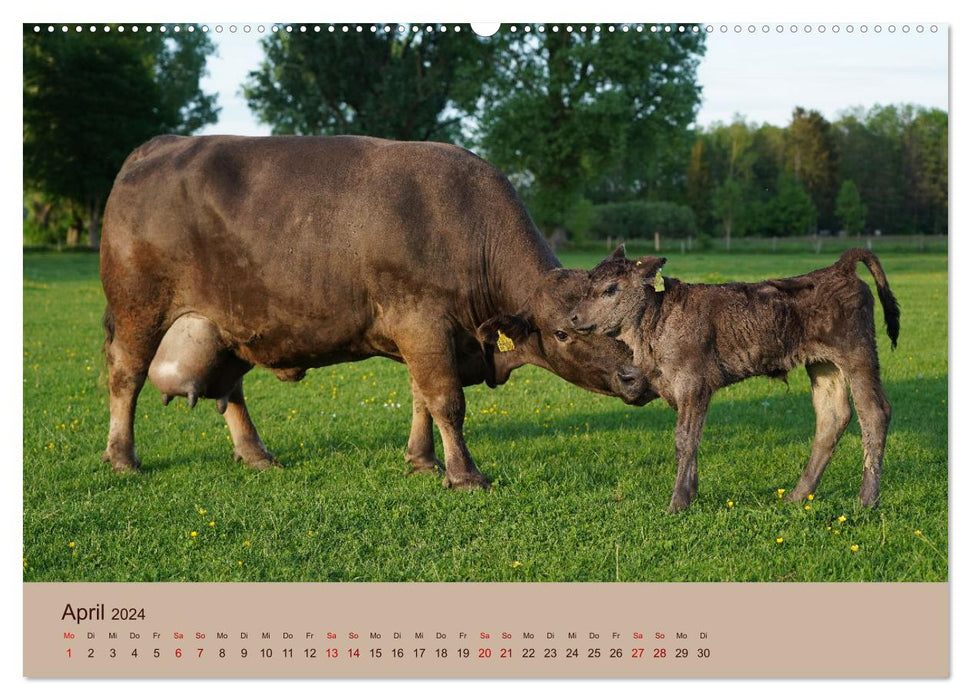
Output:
[[581, 481]]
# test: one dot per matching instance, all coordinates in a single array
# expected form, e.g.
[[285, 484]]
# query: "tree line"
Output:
[[878, 170], [594, 126]]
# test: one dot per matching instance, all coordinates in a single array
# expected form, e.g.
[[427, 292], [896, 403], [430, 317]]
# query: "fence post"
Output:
[[775, 243], [682, 246], [657, 242], [869, 242]]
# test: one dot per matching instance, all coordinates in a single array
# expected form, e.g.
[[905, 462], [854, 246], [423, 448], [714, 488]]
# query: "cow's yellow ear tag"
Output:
[[639, 263], [505, 343], [658, 282]]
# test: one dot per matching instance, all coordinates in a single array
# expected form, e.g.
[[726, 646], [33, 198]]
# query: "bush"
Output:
[[630, 220]]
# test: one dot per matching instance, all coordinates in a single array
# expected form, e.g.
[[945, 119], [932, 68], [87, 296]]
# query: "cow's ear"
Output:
[[504, 331], [620, 253]]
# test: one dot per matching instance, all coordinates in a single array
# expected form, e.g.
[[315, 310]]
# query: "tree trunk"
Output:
[[94, 225]]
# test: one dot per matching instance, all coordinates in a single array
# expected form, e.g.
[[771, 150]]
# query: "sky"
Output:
[[761, 75]]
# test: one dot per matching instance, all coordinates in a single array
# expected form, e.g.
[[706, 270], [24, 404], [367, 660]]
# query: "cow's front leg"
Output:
[[692, 410], [421, 442], [435, 374], [247, 446]]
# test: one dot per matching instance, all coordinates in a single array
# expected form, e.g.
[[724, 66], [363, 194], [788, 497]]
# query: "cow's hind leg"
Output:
[[873, 411], [435, 374], [247, 445], [421, 442], [128, 362], [832, 404]]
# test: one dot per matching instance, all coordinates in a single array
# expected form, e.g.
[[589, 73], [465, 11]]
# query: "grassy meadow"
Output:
[[581, 481]]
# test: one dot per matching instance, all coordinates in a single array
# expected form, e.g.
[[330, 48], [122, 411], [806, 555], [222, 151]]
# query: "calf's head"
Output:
[[541, 335], [618, 293]]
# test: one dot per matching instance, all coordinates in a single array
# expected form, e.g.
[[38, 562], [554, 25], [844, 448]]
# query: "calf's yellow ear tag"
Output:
[[505, 343], [658, 282]]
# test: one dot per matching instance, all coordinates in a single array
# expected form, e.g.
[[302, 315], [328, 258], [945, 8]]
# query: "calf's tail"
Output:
[[891, 309]]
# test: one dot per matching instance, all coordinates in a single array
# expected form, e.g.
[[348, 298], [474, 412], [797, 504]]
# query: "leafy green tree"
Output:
[[407, 85], [728, 206], [90, 98], [792, 209], [850, 210], [588, 110], [813, 158]]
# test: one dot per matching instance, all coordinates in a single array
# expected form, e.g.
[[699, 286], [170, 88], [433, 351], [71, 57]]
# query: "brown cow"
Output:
[[220, 253], [693, 339]]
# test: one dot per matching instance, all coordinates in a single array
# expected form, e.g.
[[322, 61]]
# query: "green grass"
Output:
[[581, 481]]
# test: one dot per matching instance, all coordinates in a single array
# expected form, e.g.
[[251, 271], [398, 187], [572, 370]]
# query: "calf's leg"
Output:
[[434, 371], [247, 445], [421, 442], [873, 411], [832, 404], [692, 410]]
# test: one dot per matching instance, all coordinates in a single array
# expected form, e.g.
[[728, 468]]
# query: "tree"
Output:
[[407, 85], [850, 210], [813, 159], [727, 205], [792, 209], [572, 111], [89, 99]]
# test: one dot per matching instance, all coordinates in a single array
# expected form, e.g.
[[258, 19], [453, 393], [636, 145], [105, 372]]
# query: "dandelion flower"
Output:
[[855, 548], [808, 507], [811, 496], [841, 519], [780, 540], [212, 523], [780, 492], [71, 545], [516, 564], [202, 511], [731, 504], [918, 533], [246, 543], [193, 533]]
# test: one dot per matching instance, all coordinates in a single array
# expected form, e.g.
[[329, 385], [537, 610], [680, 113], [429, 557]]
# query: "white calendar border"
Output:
[[507, 10]]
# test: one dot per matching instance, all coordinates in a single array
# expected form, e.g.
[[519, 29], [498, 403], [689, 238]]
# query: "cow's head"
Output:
[[620, 291], [541, 334]]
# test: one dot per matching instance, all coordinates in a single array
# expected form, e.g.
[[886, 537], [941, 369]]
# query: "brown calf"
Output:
[[693, 339]]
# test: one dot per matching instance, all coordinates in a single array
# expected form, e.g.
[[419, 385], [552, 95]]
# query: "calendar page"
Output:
[[513, 350]]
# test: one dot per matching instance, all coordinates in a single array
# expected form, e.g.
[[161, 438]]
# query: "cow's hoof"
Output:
[[259, 461], [122, 466], [425, 466], [466, 482], [127, 468]]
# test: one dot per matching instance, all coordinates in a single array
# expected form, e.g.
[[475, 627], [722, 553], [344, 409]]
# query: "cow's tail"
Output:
[[891, 309]]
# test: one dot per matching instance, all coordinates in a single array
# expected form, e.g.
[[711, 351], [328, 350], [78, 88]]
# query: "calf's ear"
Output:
[[504, 331], [648, 265], [620, 253]]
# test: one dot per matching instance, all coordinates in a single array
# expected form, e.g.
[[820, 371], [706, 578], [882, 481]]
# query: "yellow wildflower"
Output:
[[918, 533], [779, 540], [212, 523], [841, 519], [516, 564], [193, 533], [855, 548], [811, 496], [71, 545], [780, 492]]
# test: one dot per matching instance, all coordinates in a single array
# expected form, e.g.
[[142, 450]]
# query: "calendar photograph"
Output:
[[540, 303]]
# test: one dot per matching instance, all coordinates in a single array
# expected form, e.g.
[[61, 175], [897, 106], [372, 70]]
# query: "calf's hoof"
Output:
[[679, 502], [466, 482]]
